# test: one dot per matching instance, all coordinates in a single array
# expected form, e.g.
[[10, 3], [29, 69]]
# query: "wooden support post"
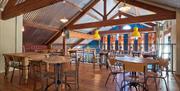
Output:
[[64, 46], [105, 8]]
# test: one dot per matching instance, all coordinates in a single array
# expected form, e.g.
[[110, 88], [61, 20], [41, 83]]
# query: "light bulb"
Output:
[[136, 38], [22, 29], [64, 20], [63, 34]]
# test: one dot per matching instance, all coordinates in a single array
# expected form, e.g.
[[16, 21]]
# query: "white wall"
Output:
[[10, 37]]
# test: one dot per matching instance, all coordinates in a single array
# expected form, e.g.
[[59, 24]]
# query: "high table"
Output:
[[57, 61]]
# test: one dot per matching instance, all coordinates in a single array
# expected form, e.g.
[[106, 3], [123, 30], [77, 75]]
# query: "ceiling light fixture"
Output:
[[136, 34], [96, 35], [125, 8], [64, 19]]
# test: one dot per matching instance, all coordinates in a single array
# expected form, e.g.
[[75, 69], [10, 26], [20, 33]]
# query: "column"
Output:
[[178, 41]]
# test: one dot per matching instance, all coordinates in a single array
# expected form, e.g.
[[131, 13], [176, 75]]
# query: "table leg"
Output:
[[58, 77], [6, 69], [25, 69]]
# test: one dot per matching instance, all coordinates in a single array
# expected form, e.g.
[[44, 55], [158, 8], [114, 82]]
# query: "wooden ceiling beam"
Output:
[[97, 12], [76, 17], [125, 31], [40, 26], [15, 9], [79, 8], [113, 8], [128, 15], [79, 41], [105, 10], [130, 20]]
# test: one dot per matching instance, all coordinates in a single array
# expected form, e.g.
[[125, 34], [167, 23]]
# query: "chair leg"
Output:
[[12, 74], [107, 79], [165, 84], [155, 83], [136, 88]]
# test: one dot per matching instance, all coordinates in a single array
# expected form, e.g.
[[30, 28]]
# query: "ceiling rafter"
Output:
[[161, 14], [125, 31], [139, 19], [97, 12], [105, 10], [113, 8], [76, 17], [128, 15], [39, 26], [79, 41], [13, 9], [79, 8]]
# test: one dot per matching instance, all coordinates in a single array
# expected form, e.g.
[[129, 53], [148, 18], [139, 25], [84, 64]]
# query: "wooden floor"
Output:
[[90, 80]]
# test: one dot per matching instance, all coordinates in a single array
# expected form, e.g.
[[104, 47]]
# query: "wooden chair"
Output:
[[17, 63], [134, 79], [71, 73], [39, 71], [115, 68], [162, 66], [8, 59]]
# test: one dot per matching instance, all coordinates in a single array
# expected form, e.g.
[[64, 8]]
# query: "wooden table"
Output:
[[27, 58], [136, 60], [57, 61]]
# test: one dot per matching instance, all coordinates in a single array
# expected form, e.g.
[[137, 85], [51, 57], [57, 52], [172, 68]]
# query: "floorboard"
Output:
[[90, 80]]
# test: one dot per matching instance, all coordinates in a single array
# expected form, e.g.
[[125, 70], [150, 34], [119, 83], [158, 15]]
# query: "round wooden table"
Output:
[[57, 61]]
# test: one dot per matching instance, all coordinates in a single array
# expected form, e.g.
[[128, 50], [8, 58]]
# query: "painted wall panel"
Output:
[[10, 37]]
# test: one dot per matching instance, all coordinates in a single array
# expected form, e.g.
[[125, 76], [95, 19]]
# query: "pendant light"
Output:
[[96, 35], [125, 7], [64, 19], [136, 33]]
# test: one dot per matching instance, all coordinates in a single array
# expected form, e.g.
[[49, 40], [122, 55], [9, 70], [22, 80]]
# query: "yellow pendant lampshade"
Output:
[[96, 35], [136, 33]]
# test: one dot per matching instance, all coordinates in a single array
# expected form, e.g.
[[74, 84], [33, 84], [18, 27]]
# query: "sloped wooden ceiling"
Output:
[[42, 24]]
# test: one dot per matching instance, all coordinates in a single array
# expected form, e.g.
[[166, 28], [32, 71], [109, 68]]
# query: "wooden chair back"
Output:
[[134, 67], [8, 58]]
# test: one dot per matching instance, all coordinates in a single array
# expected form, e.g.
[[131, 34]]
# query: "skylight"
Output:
[[126, 27]]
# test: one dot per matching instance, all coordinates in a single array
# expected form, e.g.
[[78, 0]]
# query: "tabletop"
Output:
[[56, 60], [136, 60], [30, 55]]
